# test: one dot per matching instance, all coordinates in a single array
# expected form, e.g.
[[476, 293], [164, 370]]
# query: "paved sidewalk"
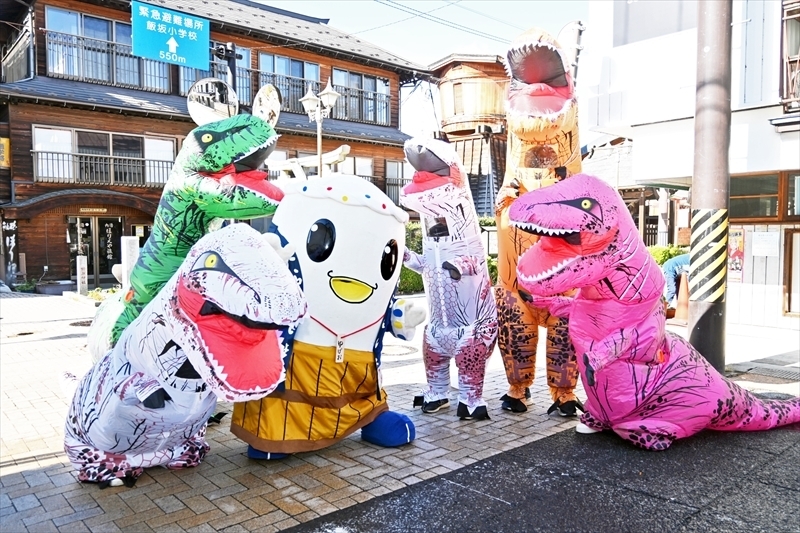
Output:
[[41, 336]]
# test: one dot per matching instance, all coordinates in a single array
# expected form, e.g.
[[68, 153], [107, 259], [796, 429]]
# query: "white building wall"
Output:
[[645, 91]]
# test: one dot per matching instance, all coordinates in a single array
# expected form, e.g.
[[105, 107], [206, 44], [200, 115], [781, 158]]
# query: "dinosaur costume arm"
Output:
[[413, 261]]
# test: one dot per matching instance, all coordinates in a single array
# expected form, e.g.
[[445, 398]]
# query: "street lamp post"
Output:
[[319, 108]]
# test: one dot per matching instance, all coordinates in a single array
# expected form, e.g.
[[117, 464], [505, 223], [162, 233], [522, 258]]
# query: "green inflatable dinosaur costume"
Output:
[[214, 178]]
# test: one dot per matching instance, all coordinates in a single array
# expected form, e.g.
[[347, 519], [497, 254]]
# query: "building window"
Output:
[[754, 196], [90, 48], [790, 52], [363, 98], [290, 76], [791, 271], [83, 156], [394, 169], [636, 21], [766, 196], [219, 70]]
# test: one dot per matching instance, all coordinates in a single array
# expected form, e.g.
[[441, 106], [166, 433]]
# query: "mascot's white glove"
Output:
[[284, 252], [406, 316]]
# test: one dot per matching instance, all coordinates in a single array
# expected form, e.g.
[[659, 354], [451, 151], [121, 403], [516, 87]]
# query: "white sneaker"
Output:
[[583, 429]]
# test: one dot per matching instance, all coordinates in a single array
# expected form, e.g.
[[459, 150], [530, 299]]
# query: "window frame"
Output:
[[790, 59], [74, 144], [361, 107], [782, 202], [788, 254], [115, 55]]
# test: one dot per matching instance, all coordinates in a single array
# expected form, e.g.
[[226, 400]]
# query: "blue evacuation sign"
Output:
[[170, 36]]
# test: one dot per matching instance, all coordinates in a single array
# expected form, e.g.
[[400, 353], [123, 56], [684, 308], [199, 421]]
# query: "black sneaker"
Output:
[[513, 404], [432, 407], [569, 408], [480, 413]]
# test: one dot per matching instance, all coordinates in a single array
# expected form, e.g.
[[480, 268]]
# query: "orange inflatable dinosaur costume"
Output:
[[543, 148]]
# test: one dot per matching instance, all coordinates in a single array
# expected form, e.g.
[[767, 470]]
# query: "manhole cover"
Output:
[[82, 323]]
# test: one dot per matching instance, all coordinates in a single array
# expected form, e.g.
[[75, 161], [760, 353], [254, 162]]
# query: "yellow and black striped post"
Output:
[[710, 182], [708, 259]]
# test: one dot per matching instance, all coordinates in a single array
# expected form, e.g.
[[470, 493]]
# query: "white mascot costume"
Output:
[[349, 239]]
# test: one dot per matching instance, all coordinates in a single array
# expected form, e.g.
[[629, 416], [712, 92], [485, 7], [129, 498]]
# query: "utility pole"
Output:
[[710, 182], [227, 52]]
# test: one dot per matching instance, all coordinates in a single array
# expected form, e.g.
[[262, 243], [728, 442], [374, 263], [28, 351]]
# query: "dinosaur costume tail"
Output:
[[746, 412]]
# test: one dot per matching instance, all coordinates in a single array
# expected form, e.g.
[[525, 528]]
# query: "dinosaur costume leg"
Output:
[[562, 364], [517, 338], [437, 369], [518, 335], [471, 362]]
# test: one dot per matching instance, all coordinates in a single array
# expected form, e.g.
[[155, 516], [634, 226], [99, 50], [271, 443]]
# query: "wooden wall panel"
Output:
[[24, 116], [43, 239], [25, 191]]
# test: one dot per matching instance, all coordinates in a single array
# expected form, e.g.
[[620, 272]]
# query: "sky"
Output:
[[390, 25]]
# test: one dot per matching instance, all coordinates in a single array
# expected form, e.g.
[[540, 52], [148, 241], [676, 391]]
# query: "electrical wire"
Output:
[[456, 4], [422, 14]]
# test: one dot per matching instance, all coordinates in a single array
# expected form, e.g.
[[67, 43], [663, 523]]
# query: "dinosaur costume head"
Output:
[[439, 189], [217, 167], [541, 96], [225, 308], [585, 233]]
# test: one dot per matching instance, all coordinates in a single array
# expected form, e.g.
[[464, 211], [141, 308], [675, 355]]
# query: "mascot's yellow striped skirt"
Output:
[[324, 401]]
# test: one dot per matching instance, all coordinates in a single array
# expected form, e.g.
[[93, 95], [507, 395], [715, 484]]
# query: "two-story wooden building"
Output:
[[93, 130]]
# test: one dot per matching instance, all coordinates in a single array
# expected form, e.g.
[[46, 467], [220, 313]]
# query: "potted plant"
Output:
[[27, 286]]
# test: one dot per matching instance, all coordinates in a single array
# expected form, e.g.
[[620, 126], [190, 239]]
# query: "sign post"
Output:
[[170, 36]]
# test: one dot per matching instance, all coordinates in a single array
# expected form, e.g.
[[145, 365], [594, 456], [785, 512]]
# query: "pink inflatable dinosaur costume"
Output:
[[647, 385]]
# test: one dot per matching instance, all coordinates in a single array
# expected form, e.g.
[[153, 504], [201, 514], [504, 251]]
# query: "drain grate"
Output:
[[771, 371], [82, 323]]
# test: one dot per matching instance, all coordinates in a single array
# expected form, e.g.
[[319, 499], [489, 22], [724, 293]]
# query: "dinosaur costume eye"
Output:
[[389, 259], [207, 138], [320, 240], [211, 261], [586, 204]]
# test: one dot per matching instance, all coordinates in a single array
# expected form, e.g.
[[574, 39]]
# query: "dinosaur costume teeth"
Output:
[[463, 315], [647, 385], [146, 402], [213, 179], [541, 116]]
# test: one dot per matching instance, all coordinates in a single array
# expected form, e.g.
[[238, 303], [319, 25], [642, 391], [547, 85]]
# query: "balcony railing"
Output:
[[791, 85], [358, 105], [74, 57], [59, 167], [291, 89], [244, 79], [393, 186], [16, 63]]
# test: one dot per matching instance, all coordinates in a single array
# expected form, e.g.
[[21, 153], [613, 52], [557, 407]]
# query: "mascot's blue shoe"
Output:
[[252, 453], [390, 429]]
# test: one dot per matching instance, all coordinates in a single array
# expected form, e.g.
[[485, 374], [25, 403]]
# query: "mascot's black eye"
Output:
[[389, 259], [320, 241]]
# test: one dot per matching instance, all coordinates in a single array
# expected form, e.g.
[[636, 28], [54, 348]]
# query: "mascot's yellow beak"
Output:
[[351, 290]]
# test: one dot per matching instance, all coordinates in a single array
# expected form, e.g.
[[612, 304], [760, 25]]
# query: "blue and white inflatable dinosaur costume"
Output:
[[211, 332]]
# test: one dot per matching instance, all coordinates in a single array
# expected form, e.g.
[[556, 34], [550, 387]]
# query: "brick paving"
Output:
[[42, 336]]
